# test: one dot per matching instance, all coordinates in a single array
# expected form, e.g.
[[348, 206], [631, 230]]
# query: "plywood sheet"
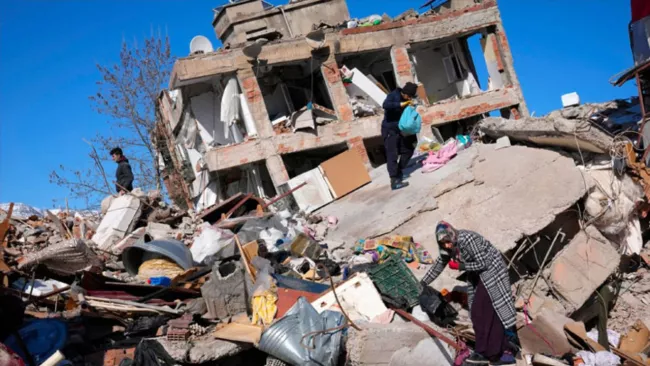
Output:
[[239, 332], [345, 173]]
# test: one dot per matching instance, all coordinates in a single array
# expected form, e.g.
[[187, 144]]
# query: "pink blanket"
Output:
[[439, 158]]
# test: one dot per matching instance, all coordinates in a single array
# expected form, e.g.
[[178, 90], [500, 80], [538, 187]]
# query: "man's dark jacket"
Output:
[[393, 109], [124, 175]]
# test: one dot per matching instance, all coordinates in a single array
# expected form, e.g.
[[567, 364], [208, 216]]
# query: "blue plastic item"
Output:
[[160, 281], [298, 284], [42, 337], [410, 122]]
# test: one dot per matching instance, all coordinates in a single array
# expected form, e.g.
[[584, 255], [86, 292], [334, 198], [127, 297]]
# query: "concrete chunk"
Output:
[[377, 344], [550, 326], [428, 352], [516, 191], [582, 267], [551, 130], [118, 221]]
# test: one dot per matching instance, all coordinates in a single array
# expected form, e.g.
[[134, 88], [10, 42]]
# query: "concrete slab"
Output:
[[516, 191], [117, 222], [428, 352], [376, 344], [548, 326], [555, 129], [375, 209], [582, 267], [204, 349]]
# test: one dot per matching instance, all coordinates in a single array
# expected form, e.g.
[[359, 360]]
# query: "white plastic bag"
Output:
[[210, 242], [270, 236], [602, 358]]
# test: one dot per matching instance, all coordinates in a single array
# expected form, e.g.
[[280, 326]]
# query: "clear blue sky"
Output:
[[48, 52]]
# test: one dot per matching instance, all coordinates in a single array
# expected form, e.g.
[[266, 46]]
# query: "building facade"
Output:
[[297, 84]]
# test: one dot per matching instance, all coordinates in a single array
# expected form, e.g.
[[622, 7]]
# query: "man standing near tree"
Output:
[[123, 175]]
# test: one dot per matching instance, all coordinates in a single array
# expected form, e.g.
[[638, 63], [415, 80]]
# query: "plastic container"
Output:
[[395, 280], [302, 246], [160, 281]]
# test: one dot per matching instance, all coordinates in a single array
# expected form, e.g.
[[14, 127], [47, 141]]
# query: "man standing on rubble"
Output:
[[399, 148], [123, 175], [491, 304]]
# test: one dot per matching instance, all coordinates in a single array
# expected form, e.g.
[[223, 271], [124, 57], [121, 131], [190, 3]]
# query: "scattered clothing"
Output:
[[438, 159]]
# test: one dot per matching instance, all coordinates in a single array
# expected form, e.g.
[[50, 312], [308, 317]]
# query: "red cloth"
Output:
[[640, 9], [9, 358], [453, 264]]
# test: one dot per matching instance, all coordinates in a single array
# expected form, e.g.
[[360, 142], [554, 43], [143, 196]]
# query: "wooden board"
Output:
[[344, 173], [250, 251], [238, 332]]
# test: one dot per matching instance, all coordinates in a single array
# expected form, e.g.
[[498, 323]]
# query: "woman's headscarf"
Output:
[[445, 233]]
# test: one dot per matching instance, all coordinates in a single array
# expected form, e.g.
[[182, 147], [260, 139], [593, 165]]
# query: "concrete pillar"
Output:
[[251, 90], [277, 170], [338, 94], [402, 65], [356, 144], [502, 46]]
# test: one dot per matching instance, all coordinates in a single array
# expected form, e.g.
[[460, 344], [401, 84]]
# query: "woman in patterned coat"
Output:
[[491, 304]]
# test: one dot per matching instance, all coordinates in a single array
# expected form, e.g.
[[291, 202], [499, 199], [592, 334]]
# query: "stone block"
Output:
[[550, 326], [376, 344], [118, 221], [582, 267]]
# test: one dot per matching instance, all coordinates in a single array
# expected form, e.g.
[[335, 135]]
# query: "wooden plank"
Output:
[[247, 264], [345, 173], [238, 332]]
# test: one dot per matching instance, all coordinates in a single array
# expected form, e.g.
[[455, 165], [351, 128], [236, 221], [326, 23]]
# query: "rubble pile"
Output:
[[262, 282]]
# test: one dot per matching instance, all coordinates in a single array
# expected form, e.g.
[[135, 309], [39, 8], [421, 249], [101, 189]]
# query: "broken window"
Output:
[[219, 110], [444, 69], [248, 178], [292, 92], [367, 77], [451, 63]]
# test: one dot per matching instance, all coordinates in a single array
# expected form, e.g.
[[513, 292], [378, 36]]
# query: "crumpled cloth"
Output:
[[602, 358], [264, 307], [437, 159]]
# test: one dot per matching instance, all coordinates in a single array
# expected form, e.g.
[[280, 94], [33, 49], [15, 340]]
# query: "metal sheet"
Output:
[[283, 339]]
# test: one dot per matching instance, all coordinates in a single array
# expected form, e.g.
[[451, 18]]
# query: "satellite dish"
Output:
[[200, 44], [315, 39], [254, 49]]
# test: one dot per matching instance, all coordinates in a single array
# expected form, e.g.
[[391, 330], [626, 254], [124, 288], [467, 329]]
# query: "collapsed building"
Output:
[[297, 84]]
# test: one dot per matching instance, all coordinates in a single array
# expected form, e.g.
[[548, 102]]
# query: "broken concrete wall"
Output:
[[118, 221], [564, 129], [379, 344], [65, 258], [582, 267], [502, 194]]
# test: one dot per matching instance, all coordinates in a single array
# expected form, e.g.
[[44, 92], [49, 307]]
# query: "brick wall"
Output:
[[253, 93], [356, 144], [402, 65], [339, 95]]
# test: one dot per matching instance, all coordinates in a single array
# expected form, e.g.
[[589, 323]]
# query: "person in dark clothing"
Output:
[[399, 148], [491, 304], [123, 175]]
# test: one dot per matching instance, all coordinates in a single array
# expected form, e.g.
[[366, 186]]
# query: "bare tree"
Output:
[[126, 94]]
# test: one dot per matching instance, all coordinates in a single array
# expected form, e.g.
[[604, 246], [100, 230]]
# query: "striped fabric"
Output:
[[480, 256]]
